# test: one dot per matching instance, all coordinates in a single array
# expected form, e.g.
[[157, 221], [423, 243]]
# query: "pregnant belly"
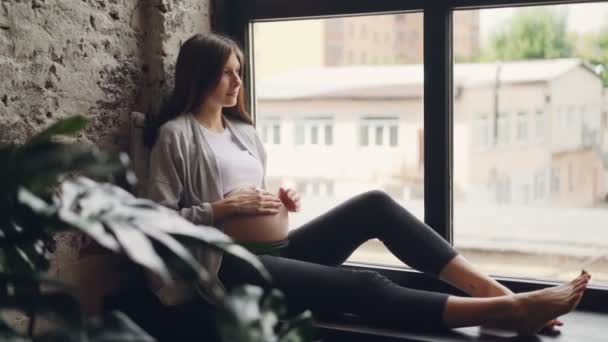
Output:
[[258, 228]]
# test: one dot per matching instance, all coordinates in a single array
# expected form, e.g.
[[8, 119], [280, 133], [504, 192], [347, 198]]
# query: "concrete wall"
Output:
[[100, 58]]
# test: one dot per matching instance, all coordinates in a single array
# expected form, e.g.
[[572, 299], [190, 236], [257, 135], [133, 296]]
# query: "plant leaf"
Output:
[[84, 202], [245, 315], [298, 329], [40, 166], [66, 126], [138, 247], [8, 334], [180, 251], [116, 327]]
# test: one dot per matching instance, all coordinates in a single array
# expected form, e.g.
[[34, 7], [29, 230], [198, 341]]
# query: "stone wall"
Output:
[[100, 58]]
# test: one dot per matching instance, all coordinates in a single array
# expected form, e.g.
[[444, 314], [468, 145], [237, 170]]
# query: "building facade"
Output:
[[532, 138], [393, 39], [386, 39]]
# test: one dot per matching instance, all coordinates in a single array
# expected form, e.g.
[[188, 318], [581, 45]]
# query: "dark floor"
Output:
[[578, 326]]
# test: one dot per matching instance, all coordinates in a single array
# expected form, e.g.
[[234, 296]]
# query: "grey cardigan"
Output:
[[184, 176]]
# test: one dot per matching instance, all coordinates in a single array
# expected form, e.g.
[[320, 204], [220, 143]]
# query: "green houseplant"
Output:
[[43, 191]]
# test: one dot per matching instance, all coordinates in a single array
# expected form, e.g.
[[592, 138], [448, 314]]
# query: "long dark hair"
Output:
[[199, 66]]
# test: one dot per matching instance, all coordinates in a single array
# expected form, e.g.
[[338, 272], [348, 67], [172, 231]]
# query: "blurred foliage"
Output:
[[541, 33], [43, 191]]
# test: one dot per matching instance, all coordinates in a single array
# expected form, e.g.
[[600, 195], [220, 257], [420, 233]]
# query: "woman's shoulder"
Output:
[[241, 125], [175, 127]]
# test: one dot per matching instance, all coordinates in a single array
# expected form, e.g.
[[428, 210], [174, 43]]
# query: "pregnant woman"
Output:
[[209, 165]]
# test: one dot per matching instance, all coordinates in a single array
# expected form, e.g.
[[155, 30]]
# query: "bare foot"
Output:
[[534, 309], [495, 289]]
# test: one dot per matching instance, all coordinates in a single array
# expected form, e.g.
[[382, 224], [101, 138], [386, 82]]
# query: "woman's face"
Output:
[[226, 92]]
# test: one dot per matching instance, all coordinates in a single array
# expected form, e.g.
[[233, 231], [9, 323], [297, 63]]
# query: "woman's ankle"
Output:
[[495, 289]]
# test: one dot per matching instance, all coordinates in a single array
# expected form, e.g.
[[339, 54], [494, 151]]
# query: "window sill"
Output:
[[595, 298], [579, 326]]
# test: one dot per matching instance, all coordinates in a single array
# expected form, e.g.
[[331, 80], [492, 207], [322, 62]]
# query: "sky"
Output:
[[581, 17]]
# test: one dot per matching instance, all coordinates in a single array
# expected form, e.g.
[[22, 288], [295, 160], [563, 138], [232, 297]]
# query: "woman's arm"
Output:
[[222, 209], [165, 183]]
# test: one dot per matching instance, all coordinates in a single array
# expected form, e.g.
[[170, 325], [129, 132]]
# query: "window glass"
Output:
[[348, 93], [530, 140]]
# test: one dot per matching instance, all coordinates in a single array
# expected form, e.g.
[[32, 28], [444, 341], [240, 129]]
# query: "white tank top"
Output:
[[238, 168]]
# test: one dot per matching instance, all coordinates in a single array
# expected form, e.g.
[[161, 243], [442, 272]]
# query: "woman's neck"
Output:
[[210, 117]]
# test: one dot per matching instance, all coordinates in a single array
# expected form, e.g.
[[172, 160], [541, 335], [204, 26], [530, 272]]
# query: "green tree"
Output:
[[593, 48], [532, 33]]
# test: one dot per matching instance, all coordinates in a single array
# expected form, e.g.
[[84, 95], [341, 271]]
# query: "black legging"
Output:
[[306, 271]]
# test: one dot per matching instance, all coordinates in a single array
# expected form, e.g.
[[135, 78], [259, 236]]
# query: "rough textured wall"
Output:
[[61, 57], [100, 58], [179, 20]]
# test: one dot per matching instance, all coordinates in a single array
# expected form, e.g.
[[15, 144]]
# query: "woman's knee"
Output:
[[372, 281], [376, 198]]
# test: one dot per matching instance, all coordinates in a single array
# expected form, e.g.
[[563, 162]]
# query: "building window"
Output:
[[315, 131], [364, 136], [522, 127], [555, 180], [271, 131], [329, 135], [482, 133], [379, 132], [504, 132], [540, 125]]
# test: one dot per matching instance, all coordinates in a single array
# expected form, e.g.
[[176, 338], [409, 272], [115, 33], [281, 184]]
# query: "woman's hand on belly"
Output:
[[260, 227], [251, 200]]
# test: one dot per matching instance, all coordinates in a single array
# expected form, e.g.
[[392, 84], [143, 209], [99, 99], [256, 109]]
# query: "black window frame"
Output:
[[235, 17]]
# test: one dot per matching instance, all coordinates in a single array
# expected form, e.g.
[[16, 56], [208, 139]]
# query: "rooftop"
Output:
[[401, 81]]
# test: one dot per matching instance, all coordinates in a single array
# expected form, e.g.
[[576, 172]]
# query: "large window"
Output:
[[533, 210], [351, 109], [534, 204]]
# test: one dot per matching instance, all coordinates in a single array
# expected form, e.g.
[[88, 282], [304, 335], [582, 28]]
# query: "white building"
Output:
[[532, 137]]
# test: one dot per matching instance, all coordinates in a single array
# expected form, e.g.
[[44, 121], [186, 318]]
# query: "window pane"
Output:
[[522, 127], [393, 133], [530, 141], [328, 81], [364, 135], [379, 135], [314, 134], [540, 123], [328, 135]]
